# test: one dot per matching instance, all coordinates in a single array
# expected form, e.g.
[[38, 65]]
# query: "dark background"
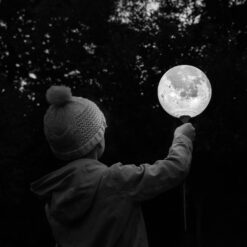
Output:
[[115, 52]]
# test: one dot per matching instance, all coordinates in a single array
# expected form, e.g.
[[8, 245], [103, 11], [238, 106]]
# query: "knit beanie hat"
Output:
[[73, 126]]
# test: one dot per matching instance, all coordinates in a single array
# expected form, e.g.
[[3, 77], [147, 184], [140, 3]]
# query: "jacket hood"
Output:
[[69, 191]]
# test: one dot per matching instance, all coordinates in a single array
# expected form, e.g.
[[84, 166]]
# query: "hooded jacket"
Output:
[[89, 204]]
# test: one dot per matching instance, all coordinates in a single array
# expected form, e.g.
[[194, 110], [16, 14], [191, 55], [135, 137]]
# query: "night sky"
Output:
[[115, 52]]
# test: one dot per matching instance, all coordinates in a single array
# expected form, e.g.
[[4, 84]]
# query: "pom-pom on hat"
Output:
[[73, 126], [58, 95]]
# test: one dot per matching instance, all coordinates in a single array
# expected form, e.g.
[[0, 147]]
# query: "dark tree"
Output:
[[115, 52]]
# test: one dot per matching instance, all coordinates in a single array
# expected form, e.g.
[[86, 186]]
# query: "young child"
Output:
[[89, 204]]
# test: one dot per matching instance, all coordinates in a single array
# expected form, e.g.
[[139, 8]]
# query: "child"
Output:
[[89, 204]]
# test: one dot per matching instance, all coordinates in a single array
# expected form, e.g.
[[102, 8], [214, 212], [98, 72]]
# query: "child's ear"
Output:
[[100, 145]]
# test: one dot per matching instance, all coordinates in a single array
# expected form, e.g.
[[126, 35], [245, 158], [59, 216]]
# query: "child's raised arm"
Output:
[[147, 181]]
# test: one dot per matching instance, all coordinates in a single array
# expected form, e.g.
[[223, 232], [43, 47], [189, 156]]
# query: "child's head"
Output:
[[74, 126]]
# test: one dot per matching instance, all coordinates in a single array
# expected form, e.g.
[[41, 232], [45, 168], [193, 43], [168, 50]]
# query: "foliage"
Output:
[[115, 53]]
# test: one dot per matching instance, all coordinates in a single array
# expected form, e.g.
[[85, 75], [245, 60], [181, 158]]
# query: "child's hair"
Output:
[[73, 126]]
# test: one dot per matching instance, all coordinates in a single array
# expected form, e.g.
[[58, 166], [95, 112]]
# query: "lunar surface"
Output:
[[184, 90]]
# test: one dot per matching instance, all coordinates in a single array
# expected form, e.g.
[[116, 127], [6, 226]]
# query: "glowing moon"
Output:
[[184, 90]]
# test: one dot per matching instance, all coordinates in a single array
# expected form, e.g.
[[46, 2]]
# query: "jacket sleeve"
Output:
[[147, 181]]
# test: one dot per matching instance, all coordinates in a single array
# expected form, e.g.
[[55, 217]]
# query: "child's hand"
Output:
[[186, 129]]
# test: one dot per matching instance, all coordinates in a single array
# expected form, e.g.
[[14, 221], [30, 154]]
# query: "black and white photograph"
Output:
[[123, 123]]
